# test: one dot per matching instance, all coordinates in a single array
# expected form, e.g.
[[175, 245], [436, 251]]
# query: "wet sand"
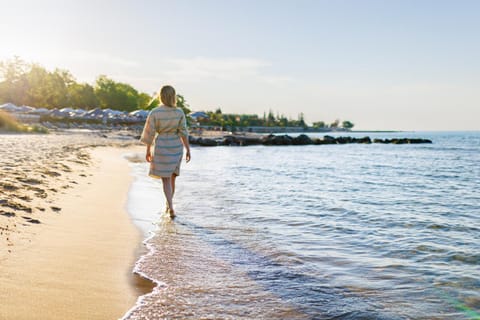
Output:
[[75, 260]]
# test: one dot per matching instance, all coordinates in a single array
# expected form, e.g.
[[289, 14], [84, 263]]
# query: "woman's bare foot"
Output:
[[171, 212]]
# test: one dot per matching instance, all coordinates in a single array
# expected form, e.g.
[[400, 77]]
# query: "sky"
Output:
[[383, 65]]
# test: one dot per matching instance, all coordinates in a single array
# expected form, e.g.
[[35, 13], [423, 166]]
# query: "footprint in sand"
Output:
[[16, 206], [7, 214], [8, 186], [24, 198], [52, 173], [30, 181], [31, 220]]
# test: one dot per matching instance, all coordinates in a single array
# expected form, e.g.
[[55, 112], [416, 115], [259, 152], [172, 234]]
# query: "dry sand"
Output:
[[75, 263]]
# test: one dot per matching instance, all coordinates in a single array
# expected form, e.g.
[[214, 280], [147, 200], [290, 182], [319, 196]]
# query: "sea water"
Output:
[[316, 232]]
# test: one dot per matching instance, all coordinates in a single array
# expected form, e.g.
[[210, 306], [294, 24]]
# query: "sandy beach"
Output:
[[68, 245]]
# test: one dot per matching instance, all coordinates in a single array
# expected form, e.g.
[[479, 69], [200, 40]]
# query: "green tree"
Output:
[[319, 124], [153, 101], [335, 123], [116, 95], [347, 125], [65, 75], [181, 103], [283, 121], [44, 89], [31, 84], [82, 96], [11, 70], [301, 120], [144, 101], [13, 82], [270, 119]]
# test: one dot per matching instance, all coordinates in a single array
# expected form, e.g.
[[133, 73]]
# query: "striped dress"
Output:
[[165, 125]]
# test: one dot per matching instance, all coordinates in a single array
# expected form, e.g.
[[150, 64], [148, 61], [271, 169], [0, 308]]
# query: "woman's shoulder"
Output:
[[160, 108], [179, 110]]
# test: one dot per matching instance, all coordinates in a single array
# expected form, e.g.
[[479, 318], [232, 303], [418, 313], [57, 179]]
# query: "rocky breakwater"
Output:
[[286, 140]]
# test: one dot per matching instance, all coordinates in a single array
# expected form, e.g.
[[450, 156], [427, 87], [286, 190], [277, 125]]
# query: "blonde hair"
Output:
[[168, 96]]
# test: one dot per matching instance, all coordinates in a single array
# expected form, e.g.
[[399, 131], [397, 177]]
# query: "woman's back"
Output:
[[167, 120]]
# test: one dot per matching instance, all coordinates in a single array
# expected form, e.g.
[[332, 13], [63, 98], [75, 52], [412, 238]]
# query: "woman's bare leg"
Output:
[[174, 176], [167, 190]]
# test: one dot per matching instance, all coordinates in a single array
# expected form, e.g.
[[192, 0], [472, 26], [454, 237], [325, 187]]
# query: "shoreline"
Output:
[[78, 264]]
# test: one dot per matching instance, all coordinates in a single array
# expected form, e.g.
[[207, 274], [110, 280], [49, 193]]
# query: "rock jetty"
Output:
[[286, 140]]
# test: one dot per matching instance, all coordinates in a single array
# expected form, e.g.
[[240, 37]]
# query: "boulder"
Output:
[[328, 140], [206, 142], [192, 139], [344, 140], [366, 140], [250, 141], [283, 140], [277, 140], [229, 141], [302, 140], [419, 140], [402, 141]]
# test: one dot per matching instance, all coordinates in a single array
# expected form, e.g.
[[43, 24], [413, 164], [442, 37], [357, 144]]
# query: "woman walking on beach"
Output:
[[168, 124]]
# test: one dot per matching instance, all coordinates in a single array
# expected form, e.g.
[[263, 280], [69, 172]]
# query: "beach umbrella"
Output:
[[9, 107], [198, 115], [67, 110]]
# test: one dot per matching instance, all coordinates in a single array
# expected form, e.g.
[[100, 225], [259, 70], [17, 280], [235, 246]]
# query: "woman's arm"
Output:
[[148, 135], [187, 147], [148, 156], [183, 134]]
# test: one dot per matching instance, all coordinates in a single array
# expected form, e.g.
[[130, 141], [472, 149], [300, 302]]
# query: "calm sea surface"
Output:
[[316, 232]]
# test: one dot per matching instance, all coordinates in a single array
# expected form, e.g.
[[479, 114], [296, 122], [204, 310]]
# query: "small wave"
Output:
[[134, 157], [365, 315], [430, 248], [139, 271], [464, 258]]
